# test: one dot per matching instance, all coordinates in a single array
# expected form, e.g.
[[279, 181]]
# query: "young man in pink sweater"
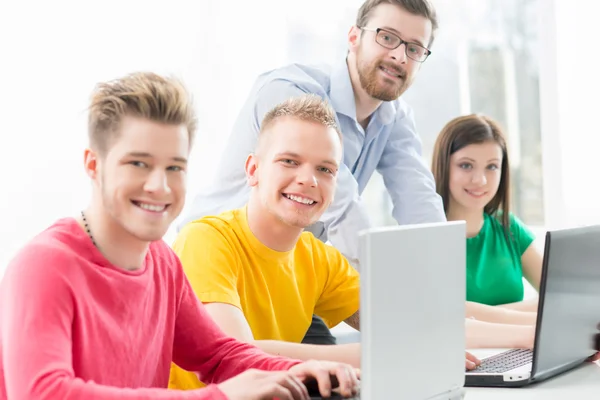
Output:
[[97, 306]]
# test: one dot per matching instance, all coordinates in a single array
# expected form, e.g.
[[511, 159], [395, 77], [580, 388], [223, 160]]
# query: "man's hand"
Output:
[[264, 385], [596, 356], [347, 376], [471, 361]]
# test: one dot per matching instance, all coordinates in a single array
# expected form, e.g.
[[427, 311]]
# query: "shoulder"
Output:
[[163, 255], [49, 257], [516, 225], [217, 238], [515, 221], [210, 227], [519, 231], [322, 254], [307, 78], [493, 229]]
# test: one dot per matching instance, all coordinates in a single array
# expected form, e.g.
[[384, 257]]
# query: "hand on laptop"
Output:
[[471, 361], [326, 374], [254, 385], [596, 356]]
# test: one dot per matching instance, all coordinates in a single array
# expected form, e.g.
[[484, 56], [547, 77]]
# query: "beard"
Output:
[[368, 74]]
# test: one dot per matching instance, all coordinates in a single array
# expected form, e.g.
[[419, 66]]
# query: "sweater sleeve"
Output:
[[200, 346], [35, 320]]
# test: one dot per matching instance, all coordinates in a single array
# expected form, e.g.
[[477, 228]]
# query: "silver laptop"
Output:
[[413, 312], [568, 314]]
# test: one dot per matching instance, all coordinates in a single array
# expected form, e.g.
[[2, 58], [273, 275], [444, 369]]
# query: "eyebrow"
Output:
[[410, 40], [296, 155], [470, 159], [141, 154]]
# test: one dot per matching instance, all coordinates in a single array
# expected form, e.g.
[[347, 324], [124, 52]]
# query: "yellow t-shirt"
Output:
[[278, 292]]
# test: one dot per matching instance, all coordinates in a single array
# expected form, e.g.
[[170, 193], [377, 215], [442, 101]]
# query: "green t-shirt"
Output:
[[494, 274]]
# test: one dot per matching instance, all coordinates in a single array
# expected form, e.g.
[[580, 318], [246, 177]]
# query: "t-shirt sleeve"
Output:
[[523, 236], [209, 262], [340, 297]]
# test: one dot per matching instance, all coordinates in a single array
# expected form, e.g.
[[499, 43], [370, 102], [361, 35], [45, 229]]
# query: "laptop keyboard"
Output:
[[504, 362], [337, 396]]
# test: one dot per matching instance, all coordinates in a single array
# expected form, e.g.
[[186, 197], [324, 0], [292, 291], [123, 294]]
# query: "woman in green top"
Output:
[[471, 169]]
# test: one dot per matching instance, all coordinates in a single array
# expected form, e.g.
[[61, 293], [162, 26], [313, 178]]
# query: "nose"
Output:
[[157, 182], [479, 178], [306, 176], [399, 53]]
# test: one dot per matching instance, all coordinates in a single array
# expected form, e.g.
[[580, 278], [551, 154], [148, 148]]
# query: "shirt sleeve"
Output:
[[347, 214], [340, 297], [407, 179], [523, 236], [36, 318], [201, 346], [209, 262]]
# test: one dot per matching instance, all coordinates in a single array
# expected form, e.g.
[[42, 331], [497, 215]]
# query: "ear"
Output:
[[354, 38], [251, 170], [90, 163]]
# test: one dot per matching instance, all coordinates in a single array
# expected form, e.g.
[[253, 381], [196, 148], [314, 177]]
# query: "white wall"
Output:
[[570, 108], [53, 53]]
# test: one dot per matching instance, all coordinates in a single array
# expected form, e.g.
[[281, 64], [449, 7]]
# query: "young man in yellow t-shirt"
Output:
[[260, 275]]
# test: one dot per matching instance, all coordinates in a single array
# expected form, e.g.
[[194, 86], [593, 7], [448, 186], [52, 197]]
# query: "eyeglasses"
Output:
[[391, 41]]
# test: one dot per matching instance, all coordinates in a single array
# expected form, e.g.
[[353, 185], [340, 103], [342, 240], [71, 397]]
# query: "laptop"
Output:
[[567, 318], [413, 312]]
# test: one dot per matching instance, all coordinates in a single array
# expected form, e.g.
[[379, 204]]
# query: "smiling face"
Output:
[[383, 73], [140, 182], [294, 171], [475, 175]]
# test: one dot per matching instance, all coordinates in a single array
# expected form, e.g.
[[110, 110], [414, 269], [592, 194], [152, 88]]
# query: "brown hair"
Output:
[[459, 133], [142, 94], [422, 8], [308, 107]]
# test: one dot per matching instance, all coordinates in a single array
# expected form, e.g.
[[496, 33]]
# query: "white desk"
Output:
[[344, 333], [580, 383]]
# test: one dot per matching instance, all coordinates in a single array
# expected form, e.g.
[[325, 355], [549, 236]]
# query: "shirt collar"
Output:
[[386, 112], [342, 96]]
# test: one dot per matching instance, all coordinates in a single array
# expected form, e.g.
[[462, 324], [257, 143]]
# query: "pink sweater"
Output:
[[73, 326]]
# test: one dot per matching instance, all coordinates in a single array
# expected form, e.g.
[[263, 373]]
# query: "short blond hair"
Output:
[[142, 95], [308, 107]]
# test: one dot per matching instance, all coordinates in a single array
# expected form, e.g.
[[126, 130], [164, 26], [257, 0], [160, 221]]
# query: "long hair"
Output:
[[462, 132]]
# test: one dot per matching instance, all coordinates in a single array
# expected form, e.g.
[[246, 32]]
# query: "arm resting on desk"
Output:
[[529, 305], [233, 323], [481, 334], [500, 315], [344, 353]]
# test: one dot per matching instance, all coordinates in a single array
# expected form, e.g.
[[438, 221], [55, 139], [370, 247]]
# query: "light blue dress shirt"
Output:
[[389, 145]]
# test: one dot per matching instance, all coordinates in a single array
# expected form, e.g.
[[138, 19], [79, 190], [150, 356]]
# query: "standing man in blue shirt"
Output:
[[386, 48]]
